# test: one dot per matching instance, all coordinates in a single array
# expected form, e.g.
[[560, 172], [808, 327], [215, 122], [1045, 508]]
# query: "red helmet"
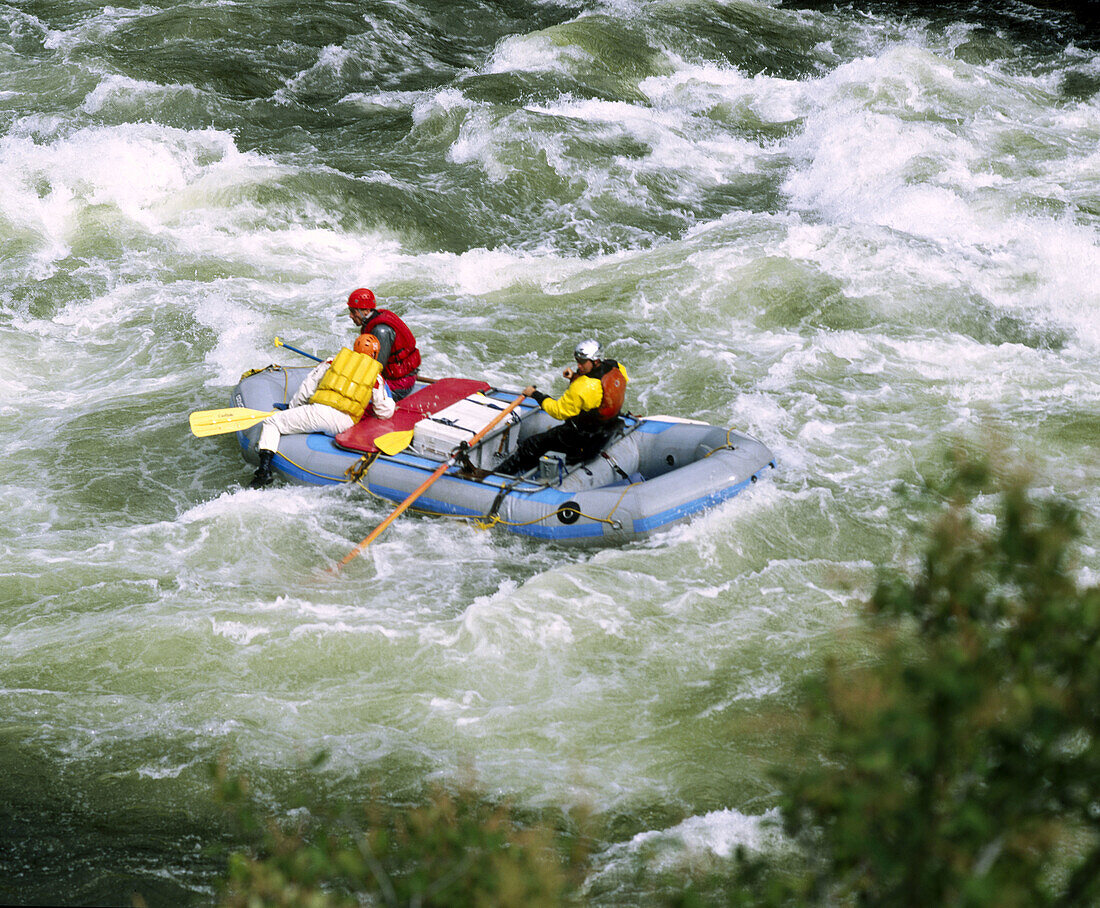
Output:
[[366, 343], [361, 299]]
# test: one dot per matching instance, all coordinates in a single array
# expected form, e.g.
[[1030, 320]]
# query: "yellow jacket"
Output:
[[348, 383], [583, 394]]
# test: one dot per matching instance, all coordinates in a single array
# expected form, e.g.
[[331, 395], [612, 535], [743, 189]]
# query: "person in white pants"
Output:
[[305, 415]]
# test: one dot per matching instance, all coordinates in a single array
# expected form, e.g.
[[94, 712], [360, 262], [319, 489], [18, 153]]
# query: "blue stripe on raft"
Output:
[[307, 476], [654, 427], [576, 531], [314, 441], [423, 502], [536, 530], [655, 521], [319, 441]]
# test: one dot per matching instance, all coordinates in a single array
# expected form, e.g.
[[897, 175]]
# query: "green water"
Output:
[[856, 234]]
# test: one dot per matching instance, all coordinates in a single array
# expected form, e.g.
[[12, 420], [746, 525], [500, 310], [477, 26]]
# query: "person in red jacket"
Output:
[[397, 347]]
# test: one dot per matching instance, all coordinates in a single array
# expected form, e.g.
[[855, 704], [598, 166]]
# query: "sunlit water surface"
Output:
[[855, 235]]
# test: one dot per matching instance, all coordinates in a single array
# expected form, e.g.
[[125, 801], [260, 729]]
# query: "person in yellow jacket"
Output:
[[589, 411], [332, 398]]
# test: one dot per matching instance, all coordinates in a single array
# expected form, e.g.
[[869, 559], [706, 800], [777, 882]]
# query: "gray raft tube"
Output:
[[673, 470], [654, 472]]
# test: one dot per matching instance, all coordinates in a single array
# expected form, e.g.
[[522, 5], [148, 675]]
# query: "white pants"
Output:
[[306, 418]]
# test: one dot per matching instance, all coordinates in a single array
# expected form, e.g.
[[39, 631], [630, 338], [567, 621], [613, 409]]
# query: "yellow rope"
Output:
[[311, 472], [487, 523], [481, 523], [272, 368], [726, 447], [358, 480], [366, 488], [620, 501]]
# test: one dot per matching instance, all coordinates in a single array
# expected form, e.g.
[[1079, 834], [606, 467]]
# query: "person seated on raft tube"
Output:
[[589, 407], [396, 343], [332, 398]]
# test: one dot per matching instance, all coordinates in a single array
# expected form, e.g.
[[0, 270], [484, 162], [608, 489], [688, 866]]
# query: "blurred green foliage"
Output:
[[453, 849], [957, 763], [961, 763]]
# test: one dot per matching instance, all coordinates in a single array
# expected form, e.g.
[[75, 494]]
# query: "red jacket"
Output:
[[404, 357]]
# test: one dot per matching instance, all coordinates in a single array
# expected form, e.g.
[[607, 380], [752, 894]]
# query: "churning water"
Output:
[[854, 234]]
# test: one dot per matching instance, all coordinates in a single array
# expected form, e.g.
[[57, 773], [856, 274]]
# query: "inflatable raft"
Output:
[[653, 472]]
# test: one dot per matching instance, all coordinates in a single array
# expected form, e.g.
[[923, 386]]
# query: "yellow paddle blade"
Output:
[[392, 442], [229, 419]]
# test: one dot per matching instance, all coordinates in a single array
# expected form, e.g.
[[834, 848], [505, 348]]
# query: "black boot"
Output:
[[262, 477]]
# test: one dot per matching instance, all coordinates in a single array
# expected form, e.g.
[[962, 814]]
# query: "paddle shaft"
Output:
[[280, 343], [439, 471], [398, 511]]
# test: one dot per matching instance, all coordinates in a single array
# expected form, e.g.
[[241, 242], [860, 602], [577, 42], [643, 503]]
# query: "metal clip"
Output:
[[355, 472]]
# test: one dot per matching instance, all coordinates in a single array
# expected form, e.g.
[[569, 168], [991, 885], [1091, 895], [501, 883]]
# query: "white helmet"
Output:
[[588, 349]]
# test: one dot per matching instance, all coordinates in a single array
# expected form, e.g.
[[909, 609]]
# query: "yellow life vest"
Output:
[[348, 383]]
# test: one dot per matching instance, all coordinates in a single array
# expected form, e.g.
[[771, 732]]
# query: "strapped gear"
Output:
[[361, 299], [348, 383], [614, 391]]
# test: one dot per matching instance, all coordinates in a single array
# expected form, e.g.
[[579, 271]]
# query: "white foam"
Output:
[[439, 103], [325, 72], [535, 53], [114, 89], [718, 833], [237, 632], [137, 170], [700, 89], [674, 148], [878, 148], [387, 100], [712, 836]]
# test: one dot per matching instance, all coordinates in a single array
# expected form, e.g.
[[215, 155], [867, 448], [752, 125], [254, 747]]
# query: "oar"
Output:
[[440, 470], [229, 419], [279, 343]]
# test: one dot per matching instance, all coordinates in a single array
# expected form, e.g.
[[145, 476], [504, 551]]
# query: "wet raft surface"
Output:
[[652, 473]]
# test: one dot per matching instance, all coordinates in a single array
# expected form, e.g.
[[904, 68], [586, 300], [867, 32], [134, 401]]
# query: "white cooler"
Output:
[[440, 433]]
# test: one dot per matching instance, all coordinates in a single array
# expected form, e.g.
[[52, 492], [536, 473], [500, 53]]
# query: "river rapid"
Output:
[[858, 233]]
